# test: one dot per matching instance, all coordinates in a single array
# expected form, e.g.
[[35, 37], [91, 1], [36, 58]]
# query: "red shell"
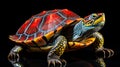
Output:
[[43, 25]]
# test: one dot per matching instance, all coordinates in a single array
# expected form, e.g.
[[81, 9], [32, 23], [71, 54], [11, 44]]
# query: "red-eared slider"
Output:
[[57, 31]]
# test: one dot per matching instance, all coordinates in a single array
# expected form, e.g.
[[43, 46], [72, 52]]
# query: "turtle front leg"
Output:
[[13, 56], [57, 50], [98, 45]]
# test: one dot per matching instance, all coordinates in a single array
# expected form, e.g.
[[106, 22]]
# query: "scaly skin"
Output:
[[98, 45], [100, 62], [14, 53], [57, 50]]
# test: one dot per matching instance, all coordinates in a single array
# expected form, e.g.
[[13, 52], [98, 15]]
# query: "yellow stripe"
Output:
[[39, 41], [59, 28], [102, 18], [49, 35], [81, 44], [28, 42]]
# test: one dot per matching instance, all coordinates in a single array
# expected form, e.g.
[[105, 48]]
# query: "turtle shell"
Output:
[[38, 29]]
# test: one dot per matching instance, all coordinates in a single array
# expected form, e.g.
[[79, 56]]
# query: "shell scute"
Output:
[[23, 27], [51, 21], [33, 28]]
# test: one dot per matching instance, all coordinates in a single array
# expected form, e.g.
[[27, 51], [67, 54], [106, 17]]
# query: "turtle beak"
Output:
[[100, 19]]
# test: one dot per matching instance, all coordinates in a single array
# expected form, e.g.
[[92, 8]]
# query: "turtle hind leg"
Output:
[[13, 56], [98, 45], [100, 62], [56, 52]]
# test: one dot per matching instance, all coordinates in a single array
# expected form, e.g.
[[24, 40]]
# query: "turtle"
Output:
[[57, 31]]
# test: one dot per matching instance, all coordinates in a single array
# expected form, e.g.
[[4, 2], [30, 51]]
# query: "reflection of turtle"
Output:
[[57, 31]]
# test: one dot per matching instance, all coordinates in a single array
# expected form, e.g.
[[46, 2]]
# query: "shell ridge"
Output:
[[42, 21], [27, 37], [29, 24], [62, 23]]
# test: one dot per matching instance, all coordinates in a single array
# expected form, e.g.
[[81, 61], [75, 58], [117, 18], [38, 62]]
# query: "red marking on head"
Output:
[[86, 19]]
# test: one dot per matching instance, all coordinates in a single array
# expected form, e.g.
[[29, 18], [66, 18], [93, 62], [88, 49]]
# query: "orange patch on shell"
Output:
[[29, 42], [39, 41], [49, 35]]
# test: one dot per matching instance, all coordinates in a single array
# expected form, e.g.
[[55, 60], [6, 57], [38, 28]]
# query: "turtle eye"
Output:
[[94, 16]]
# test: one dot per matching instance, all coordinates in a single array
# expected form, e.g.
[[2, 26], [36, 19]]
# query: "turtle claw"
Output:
[[56, 62], [107, 53], [110, 52], [64, 61], [13, 57]]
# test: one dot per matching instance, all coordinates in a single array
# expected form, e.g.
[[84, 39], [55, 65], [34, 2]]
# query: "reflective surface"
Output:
[[42, 63], [74, 58]]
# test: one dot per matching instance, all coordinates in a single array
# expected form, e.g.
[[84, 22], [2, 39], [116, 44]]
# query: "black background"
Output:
[[15, 13]]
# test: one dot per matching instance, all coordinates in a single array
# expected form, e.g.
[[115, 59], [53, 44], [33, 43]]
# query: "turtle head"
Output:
[[96, 20], [91, 23]]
